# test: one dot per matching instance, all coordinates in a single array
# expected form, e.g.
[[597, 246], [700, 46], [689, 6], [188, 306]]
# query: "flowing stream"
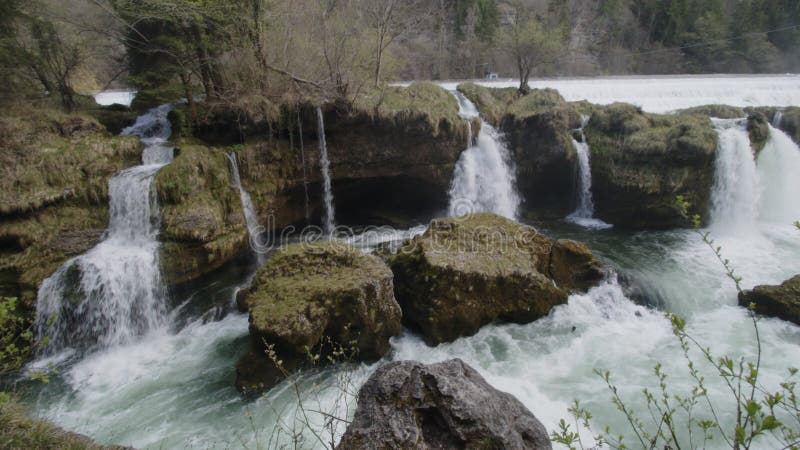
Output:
[[325, 167], [112, 294], [484, 179], [250, 216], [172, 387]]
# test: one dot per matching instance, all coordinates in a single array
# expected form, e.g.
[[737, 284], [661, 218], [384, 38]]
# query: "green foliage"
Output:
[[16, 335]]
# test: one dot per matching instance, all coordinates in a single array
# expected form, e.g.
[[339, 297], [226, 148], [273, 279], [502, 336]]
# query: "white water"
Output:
[[120, 97], [112, 294], [584, 212], [484, 179], [776, 120], [735, 195], [175, 390], [779, 170], [250, 216], [327, 193], [660, 94]]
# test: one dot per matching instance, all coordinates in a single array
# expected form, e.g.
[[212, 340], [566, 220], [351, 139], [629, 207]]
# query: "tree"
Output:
[[530, 42], [391, 19]]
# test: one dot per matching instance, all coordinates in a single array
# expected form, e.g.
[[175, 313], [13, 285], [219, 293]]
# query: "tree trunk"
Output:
[[187, 91], [379, 61]]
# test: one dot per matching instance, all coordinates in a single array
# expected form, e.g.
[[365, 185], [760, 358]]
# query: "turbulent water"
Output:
[[325, 167], [250, 216], [174, 388], [112, 294], [484, 179], [734, 197]]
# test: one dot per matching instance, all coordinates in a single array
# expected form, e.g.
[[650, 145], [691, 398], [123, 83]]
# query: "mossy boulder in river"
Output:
[[642, 162], [317, 299], [464, 273], [782, 301]]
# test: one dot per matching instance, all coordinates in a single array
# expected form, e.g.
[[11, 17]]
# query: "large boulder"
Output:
[[464, 273], [439, 406], [782, 301], [642, 162], [202, 221], [316, 299]]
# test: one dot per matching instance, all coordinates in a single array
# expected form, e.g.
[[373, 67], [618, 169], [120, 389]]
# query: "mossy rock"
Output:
[[316, 299], [790, 123], [464, 273], [716, 111], [202, 222], [782, 301], [642, 162], [758, 129], [536, 128], [147, 99], [420, 99]]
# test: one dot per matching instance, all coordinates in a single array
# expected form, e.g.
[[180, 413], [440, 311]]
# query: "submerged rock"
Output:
[[446, 405], [464, 273], [642, 162], [316, 298], [782, 301]]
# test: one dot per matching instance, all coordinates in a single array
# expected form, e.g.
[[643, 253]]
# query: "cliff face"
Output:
[[56, 172]]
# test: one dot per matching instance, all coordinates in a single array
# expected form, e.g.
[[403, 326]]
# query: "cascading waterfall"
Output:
[[327, 194], [113, 292], [735, 195], [484, 180], [584, 213], [778, 169], [250, 216]]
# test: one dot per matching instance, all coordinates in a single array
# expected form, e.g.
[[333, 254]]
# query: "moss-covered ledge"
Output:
[[642, 162], [202, 222]]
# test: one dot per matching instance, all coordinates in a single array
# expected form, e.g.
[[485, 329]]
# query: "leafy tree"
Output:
[[530, 42]]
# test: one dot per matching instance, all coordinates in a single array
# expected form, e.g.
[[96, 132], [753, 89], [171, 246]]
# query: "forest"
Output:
[[279, 51]]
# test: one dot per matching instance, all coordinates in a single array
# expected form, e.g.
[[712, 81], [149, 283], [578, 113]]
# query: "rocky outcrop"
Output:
[[537, 130], [790, 122], [316, 299], [57, 168], [781, 301], [758, 129], [202, 223], [464, 273], [642, 162], [446, 405], [392, 155]]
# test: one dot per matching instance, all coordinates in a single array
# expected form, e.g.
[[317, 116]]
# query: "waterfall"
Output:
[[584, 213], [484, 180], [735, 194], [113, 293], [776, 119], [327, 195], [250, 216], [778, 169]]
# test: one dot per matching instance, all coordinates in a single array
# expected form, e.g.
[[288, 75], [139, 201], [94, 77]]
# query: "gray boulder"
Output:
[[440, 406]]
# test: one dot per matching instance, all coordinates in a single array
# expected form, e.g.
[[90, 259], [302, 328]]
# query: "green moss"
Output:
[[758, 130], [147, 99], [717, 111], [201, 214], [492, 103], [300, 278], [535, 102], [420, 99]]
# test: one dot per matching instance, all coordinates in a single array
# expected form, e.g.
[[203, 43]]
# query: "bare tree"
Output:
[[530, 42], [391, 19]]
